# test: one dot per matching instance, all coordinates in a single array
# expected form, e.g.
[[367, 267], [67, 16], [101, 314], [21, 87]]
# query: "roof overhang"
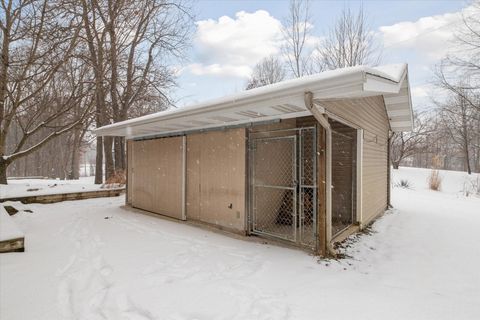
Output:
[[280, 101]]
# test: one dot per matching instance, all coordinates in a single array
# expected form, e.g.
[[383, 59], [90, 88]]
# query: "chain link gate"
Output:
[[308, 187], [283, 194]]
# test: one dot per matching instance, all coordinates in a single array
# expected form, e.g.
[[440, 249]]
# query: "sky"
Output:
[[230, 37]]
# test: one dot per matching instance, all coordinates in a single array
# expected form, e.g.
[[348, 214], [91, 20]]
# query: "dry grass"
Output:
[[471, 186], [403, 183], [119, 179], [434, 180]]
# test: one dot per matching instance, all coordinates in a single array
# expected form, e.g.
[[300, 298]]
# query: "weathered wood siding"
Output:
[[216, 178], [156, 178], [370, 114]]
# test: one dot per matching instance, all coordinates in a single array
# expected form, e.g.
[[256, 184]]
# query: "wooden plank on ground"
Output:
[[52, 198], [11, 237]]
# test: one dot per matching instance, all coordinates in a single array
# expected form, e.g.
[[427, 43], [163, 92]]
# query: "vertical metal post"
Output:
[[328, 202], [315, 189], [184, 177], [299, 189], [359, 176], [254, 209], [295, 191]]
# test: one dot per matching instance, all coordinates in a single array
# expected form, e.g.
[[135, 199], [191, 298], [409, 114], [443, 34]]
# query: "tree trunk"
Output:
[[119, 147], [99, 162], [395, 164], [25, 167], [75, 161], [467, 161], [3, 170], [109, 163]]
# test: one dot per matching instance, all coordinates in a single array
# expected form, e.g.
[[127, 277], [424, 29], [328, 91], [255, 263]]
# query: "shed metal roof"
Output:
[[280, 101]]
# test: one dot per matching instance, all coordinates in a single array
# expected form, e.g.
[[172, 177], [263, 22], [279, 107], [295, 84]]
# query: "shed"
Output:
[[303, 161]]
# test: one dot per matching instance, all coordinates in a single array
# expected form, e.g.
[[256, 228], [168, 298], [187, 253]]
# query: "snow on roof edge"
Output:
[[392, 72]]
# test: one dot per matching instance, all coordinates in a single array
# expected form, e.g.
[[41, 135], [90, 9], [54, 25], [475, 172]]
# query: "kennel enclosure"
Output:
[[303, 161]]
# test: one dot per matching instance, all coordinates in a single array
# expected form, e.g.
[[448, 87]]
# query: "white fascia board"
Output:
[[220, 125], [377, 83], [213, 109], [401, 124], [397, 99], [352, 82], [396, 113], [152, 127], [349, 90], [380, 85], [344, 84], [407, 85]]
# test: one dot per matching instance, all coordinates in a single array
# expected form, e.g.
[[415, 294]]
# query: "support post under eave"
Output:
[[319, 113], [389, 172], [184, 177]]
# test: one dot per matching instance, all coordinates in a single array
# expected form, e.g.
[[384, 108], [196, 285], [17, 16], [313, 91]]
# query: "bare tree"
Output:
[[95, 32], [131, 45], [460, 113], [62, 58], [139, 64], [460, 122], [406, 144], [268, 71], [349, 43], [296, 31], [464, 87], [454, 137], [466, 59], [37, 38]]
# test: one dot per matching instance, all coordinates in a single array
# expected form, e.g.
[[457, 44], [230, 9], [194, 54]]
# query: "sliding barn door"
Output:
[[158, 176]]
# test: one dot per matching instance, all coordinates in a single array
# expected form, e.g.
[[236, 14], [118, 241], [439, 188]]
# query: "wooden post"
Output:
[[389, 204], [321, 195]]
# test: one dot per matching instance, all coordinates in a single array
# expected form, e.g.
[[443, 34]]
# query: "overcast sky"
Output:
[[231, 36]]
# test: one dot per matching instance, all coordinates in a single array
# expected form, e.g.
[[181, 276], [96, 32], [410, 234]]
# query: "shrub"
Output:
[[434, 180], [471, 186], [403, 183], [118, 179], [476, 185]]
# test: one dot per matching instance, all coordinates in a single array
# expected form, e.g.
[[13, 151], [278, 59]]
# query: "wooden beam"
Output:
[[321, 194], [52, 198]]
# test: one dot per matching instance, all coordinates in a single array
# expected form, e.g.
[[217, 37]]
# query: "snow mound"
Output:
[[37, 187], [8, 228]]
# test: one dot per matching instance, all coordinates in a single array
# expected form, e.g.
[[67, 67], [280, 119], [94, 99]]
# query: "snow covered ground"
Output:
[[91, 259], [8, 228], [35, 187]]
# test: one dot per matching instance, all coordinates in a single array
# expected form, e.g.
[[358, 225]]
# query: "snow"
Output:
[[392, 72], [453, 182], [92, 259], [323, 80], [8, 229], [21, 187]]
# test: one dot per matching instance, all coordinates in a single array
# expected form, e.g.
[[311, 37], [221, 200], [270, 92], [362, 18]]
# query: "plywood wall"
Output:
[[129, 171], [369, 114], [216, 177], [156, 169]]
